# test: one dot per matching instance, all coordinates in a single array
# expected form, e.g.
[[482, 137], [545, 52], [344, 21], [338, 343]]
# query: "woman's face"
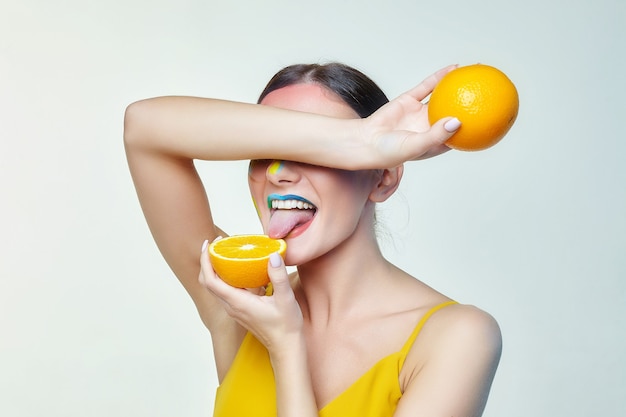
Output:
[[313, 208]]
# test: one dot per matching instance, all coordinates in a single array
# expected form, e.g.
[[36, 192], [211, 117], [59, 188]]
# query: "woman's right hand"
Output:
[[276, 320]]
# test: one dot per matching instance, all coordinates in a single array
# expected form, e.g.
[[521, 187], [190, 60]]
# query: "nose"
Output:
[[279, 171]]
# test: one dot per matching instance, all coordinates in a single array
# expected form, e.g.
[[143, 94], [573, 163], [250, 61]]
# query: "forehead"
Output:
[[311, 98]]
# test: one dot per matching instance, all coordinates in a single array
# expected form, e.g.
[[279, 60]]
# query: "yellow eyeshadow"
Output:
[[275, 167]]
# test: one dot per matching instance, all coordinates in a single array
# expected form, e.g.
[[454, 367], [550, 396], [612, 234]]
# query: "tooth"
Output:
[[291, 204]]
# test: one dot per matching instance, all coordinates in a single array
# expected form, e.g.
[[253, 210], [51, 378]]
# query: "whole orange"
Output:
[[241, 260], [483, 98]]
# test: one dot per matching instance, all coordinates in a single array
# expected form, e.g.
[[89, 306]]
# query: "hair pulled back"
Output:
[[356, 89]]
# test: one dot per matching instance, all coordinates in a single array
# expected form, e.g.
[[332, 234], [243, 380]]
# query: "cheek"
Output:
[[350, 198], [357, 185]]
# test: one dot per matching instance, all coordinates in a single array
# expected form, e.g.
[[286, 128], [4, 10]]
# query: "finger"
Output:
[[206, 269], [204, 262], [432, 142], [434, 151], [209, 279], [236, 301], [279, 277], [423, 89], [257, 290]]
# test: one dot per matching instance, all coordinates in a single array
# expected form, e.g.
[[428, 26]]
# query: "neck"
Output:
[[336, 285]]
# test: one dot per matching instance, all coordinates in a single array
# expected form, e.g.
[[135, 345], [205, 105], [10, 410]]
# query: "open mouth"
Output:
[[290, 215]]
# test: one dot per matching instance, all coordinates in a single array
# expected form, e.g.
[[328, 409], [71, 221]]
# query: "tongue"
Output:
[[283, 221]]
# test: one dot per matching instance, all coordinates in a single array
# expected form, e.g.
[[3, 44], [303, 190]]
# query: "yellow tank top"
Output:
[[248, 390]]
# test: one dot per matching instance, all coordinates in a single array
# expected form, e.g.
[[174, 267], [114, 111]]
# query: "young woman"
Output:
[[348, 333]]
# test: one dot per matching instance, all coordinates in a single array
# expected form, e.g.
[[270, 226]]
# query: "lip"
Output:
[[297, 231], [281, 197]]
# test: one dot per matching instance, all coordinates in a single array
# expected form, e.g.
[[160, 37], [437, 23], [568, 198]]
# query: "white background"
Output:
[[92, 322]]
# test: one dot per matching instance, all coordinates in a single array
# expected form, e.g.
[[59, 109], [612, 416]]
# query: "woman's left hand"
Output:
[[274, 320], [400, 130]]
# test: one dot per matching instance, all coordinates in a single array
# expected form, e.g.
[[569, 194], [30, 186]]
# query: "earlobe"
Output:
[[387, 183]]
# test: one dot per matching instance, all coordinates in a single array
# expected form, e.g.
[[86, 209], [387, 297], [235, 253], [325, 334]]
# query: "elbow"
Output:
[[141, 122], [132, 123]]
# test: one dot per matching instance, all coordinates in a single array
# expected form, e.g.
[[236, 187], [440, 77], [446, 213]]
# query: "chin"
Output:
[[298, 254], [293, 259]]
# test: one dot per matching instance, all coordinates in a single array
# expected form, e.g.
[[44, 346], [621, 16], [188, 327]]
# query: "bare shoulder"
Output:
[[462, 320], [457, 334], [450, 367], [467, 327]]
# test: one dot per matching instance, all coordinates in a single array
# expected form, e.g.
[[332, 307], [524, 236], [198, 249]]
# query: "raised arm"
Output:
[[210, 129], [177, 211]]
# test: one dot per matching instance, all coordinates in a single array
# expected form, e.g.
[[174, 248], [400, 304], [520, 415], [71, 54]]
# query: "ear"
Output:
[[387, 183]]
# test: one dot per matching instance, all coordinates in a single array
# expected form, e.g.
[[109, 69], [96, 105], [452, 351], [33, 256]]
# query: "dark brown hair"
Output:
[[355, 88]]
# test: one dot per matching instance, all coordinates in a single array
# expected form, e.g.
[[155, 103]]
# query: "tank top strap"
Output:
[[409, 343]]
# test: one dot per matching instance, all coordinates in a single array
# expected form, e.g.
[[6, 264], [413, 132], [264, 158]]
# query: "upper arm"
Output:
[[462, 355], [177, 210], [173, 202]]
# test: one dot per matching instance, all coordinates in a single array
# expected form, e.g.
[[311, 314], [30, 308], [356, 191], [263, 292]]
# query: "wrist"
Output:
[[291, 352], [294, 390], [359, 152]]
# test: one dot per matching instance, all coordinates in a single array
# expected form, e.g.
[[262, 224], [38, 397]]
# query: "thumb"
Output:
[[432, 142], [442, 130], [452, 125], [278, 275]]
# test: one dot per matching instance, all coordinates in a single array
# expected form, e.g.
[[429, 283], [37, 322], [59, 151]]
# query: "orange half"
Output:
[[241, 260]]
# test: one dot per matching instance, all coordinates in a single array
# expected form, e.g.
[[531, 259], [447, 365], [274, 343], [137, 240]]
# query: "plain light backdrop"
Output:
[[93, 323]]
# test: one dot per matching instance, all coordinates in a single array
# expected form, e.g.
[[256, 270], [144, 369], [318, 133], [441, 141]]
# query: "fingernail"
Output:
[[276, 260], [452, 125], [204, 245]]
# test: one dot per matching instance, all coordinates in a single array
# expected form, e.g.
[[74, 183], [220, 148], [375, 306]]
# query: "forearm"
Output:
[[294, 391], [209, 129]]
